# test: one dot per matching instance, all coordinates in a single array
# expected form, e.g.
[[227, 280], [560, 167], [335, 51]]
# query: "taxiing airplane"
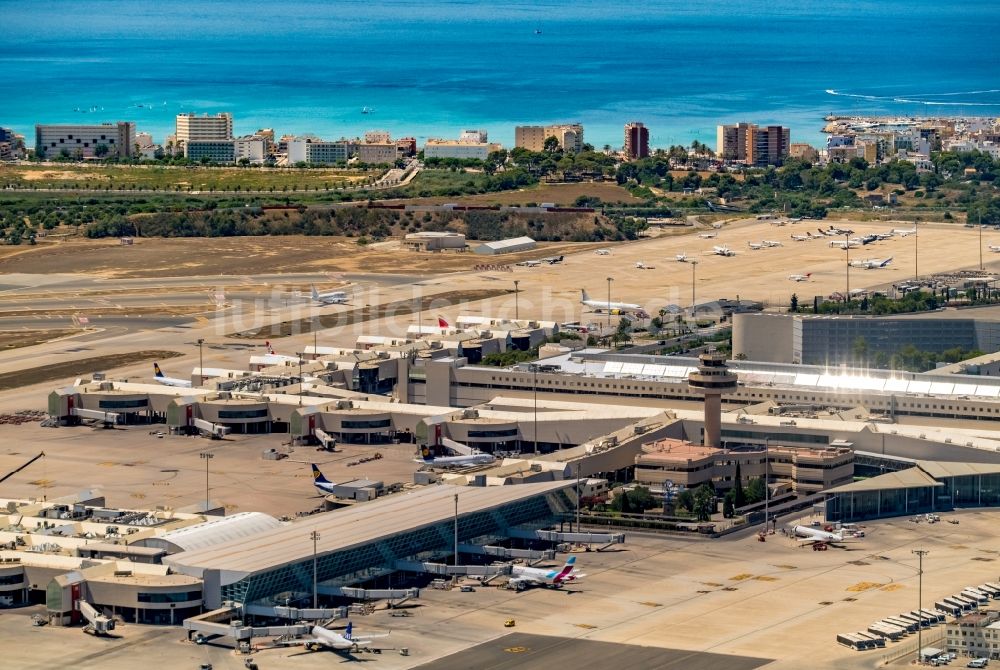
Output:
[[871, 263], [995, 248], [466, 456], [809, 535], [603, 252], [322, 484], [721, 251], [169, 381], [804, 277], [642, 266], [903, 232], [613, 307], [708, 236], [681, 258], [330, 297], [324, 638], [523, 577]]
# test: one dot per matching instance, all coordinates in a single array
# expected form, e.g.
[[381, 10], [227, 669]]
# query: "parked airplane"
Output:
[[840, 231], [324, 638], [802, 238], [903, 232], [708, 236], [771, 243], [722, 251], [804, 277], [169, 381], [842, 244], [681, 258], [466, 456], [755, 246], [995, 248], [330, 297], [642, 266], [552, 260], [613, 307], [523, 577], [872, 263], [603, 252], [322, 484], [529, 264], [816, 536]]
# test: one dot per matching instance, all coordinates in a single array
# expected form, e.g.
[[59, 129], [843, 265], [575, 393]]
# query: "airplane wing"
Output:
[[298, 643]]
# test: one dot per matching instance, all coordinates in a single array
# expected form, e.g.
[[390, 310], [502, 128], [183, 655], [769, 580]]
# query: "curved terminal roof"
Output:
[[210, 533]]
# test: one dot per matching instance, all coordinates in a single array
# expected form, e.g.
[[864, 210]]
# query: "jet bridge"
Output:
[[109, 418], [97, 623], [213, 430], [603, 539]]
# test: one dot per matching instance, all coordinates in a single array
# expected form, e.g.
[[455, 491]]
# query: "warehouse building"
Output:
[[509, 246], [434, 241]]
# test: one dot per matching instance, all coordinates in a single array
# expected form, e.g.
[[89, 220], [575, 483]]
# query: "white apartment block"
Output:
[[191, 127], [85, 141], [252, 148], [457, 149], [474, 136], [302, 150]]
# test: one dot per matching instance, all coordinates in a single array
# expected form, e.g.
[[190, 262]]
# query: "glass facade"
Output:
[[960, 491], [352, 566], [161, 598], [138, 403]]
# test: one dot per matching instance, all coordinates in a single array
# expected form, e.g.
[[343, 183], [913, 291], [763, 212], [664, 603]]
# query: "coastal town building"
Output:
[[636, 140], [378, 137], [318, 152], [803, 151], [752, 144], [210, 151], [11, 145], [377, 153], [204, 128], [532, 138], [406, 147], [85, 141]]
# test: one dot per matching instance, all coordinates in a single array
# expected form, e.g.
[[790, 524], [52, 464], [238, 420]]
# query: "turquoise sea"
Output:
[[434, 67]]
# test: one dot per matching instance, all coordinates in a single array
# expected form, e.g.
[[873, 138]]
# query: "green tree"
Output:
[[551, 144], [703, 502], [728, 506], [685, 500], [755, 490], [794, 305], [739, 495]]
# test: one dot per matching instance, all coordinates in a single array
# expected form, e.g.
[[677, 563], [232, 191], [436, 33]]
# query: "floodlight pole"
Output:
[[517, 313], [206, 456], [847, 248], [920, 598], [578, 496], [916, 251], [694, 265], [767, 489], [610, 279], [456, 529], [534, 385], [314, 536], [980, 240], [201, 363]]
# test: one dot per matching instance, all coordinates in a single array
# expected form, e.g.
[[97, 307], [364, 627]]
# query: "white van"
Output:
[[978, 663]]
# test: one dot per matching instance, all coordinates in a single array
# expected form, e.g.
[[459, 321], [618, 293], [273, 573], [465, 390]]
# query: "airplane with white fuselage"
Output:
[[323, 638], [603, 252], [529, 264], [322, 484], [552, 260], [466, 455], [755, 246], [852, 243], [708, 236], [639, 265], [802, 238], [524, 577], [903, 232], [771, 243], [809, 535], [681, 258], [995, 248], [721, 251], [329, 297], [613, 307], [872, 263], [169, 381], [804, 277]]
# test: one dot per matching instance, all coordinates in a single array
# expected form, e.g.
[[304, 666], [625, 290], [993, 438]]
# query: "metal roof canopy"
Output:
[[351, 527]]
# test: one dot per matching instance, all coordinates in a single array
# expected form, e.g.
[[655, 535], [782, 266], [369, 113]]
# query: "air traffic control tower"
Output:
[[712, 379]]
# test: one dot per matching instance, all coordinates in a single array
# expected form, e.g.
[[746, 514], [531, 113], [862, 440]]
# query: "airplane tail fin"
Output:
[[442, 323], [318, 476], [315, 293], [267, 345], [425, 453], [887, 261], [567, 569], [349, 630], [583, 292], [157, 372], [808, 275]]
